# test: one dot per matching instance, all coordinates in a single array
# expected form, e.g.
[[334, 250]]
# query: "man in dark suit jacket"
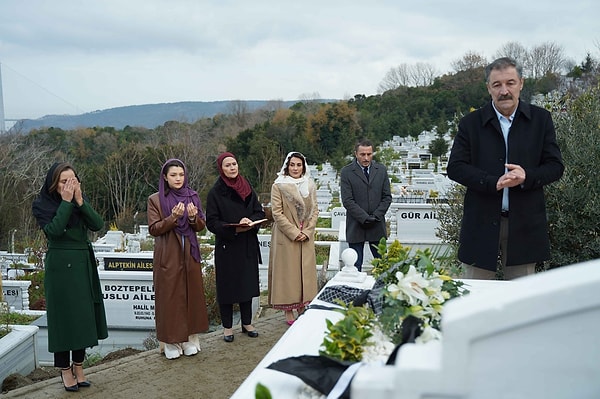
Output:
[[504, 154], [366, 195]]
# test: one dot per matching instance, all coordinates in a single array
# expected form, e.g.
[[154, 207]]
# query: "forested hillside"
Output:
[[147, 115], [119, 167]]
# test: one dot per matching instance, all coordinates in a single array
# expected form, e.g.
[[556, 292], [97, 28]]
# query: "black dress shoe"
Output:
[[251, 334], [80, 384], [72, 388], [228, 338]]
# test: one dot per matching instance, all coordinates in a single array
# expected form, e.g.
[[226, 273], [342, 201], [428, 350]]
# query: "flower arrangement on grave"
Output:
[[404, 305], [347, 339], [408, 286]]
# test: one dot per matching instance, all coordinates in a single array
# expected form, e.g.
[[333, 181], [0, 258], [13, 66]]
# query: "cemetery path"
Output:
[[216, 372]]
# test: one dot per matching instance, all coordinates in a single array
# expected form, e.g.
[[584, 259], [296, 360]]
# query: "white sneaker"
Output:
[[172, 351], [189, 348], [195, 339]]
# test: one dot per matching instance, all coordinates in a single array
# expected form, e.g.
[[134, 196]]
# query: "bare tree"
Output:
[[311, 101], [546, 58], [239, 110], [24, 165], [514, 50], [470, 60], [396, 77], [422, 74], [196, 145], [124, 175], [403, 75]]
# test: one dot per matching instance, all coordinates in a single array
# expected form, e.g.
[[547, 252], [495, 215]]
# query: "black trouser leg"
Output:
[[246, 312], [62, 359], [226, 310]]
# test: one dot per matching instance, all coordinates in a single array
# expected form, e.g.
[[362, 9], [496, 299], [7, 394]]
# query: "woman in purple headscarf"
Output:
[[174, 217]]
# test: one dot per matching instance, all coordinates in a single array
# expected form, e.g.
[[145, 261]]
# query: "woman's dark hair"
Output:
[[61, 167], [286, 171], [173, 163]]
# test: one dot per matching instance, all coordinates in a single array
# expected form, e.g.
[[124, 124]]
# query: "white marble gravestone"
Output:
[[324, 198], [415, 223], [533, 338], [128, 298], [264, 244], [16, 293], [338, 215]]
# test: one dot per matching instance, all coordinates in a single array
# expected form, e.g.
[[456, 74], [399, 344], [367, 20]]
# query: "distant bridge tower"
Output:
[[2, 123]]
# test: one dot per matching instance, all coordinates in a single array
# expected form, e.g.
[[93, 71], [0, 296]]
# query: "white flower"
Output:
[[410, 287], [429, 333]]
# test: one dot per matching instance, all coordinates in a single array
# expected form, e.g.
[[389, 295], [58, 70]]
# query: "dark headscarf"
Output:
[[170, 197], [239, 183], [45, 205]]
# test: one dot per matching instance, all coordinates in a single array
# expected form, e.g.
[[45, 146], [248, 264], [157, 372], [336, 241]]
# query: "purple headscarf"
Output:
[[170, 197]]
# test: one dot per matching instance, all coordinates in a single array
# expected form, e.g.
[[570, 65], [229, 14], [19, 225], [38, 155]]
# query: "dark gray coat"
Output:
[[477, 161], [362, 198]]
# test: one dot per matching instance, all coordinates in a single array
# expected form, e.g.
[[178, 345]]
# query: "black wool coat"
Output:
[[236, 254], [477, 161]]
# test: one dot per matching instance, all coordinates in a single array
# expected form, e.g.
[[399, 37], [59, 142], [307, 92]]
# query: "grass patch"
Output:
[[7, 318]]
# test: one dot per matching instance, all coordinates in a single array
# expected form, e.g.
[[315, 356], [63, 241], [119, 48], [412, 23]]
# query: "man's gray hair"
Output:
[[502, 63]]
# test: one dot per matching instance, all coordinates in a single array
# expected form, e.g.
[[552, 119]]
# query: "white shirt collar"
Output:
[[500, 116]]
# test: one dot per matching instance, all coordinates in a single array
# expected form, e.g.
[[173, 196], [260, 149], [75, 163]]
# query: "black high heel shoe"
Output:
[[72, 388], [228, 338], [251, 334], [81, 384]]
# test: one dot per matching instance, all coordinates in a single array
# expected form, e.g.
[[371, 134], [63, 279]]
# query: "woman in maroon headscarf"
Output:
[[232, 201], [174, 217]]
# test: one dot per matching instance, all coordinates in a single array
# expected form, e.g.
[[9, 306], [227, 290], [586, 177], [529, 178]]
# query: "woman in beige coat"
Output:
[[292, 260]]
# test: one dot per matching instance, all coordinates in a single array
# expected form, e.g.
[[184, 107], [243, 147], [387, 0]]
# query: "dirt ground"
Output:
[[216, 372], [15, 381]]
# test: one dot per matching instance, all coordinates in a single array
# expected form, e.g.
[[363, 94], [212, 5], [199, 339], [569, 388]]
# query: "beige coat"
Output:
[[292, 264]]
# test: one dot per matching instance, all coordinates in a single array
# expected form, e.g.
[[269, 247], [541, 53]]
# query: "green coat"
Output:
[[74, 305]]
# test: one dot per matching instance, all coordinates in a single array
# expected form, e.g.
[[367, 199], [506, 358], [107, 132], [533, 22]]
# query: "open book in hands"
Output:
[[253, 223]]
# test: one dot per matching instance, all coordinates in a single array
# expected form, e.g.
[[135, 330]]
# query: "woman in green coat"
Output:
[[74, 306]]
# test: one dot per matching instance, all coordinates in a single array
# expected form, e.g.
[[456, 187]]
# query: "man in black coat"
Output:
[[366, 195], [504, 154]]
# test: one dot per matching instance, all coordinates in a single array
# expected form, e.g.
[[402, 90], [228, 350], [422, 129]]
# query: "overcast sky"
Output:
[[76, 56]]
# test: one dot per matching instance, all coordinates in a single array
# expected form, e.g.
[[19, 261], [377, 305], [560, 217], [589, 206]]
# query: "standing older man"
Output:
[[366, 195], [504, 154]]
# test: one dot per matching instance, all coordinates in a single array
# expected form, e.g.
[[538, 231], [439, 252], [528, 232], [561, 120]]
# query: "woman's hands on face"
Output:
[[78, 194], [72, 189]]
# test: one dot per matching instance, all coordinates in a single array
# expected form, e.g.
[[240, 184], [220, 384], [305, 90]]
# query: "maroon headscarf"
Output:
[[239, 183], [170, 197]]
